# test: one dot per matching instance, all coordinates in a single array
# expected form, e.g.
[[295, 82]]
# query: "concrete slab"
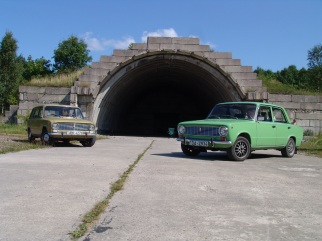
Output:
[[45, 193], [173, 197], [168, 196]]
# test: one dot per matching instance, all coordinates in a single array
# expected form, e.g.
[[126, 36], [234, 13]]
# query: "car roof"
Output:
[[250, 102], [58, 105]]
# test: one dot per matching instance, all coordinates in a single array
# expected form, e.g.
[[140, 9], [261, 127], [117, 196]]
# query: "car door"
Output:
[[34, 121], [266, 128], [283, 128]]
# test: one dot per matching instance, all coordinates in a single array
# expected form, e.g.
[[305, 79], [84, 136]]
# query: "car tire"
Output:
[[31, 138], [290, 148], [45, 138], [89, 142], [240, 149], [189, 151]]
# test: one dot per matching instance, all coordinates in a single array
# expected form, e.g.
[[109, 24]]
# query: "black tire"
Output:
[[89, 142], [31, 138], [290, 148], [189, 150], [240, 150]]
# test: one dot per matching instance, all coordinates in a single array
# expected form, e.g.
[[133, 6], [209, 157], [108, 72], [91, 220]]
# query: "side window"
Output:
[[36, 113], [264, 114], [278, 115], [32, 114], [40, 114]]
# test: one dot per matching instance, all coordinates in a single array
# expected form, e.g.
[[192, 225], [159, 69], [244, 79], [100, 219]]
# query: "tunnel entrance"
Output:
[[147, 96]]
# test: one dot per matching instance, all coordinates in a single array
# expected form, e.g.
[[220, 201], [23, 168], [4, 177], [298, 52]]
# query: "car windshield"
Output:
[[63, 111], [234, 111]]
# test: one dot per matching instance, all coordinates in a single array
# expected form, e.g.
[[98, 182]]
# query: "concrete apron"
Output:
[[173, 197], [45, 193], [168, 196]]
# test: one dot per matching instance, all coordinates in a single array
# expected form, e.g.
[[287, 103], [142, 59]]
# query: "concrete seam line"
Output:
[[92, 216]]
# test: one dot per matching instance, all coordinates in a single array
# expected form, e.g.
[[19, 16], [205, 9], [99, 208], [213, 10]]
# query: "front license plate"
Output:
[[198, 143], [75, 133]]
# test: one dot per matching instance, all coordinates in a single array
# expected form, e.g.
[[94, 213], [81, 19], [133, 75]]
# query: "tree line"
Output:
[[309, 79], [70, 55]]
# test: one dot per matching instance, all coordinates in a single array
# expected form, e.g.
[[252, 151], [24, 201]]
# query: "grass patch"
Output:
[[13, 138], [17, 144], [90, 217], [61, 80], [312, 146], [277, 87], [13, 129]]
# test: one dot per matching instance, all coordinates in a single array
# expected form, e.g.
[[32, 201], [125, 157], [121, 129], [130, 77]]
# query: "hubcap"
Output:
[[240, 149], [290, 147], [46, 137]]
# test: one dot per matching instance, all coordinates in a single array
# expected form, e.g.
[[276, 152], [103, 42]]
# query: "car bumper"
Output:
[[65, 135], [211, 143]]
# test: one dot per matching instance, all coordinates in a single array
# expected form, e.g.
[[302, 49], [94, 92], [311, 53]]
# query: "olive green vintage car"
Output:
[[52, 123], [240, 128]]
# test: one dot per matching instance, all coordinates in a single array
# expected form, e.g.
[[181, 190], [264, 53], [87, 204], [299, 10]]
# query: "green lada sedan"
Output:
[[52, 123], [240, 128]]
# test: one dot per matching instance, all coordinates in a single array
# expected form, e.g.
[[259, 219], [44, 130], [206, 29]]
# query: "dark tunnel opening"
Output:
[[149, 99]]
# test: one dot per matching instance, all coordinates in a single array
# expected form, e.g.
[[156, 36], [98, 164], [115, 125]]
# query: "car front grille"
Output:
[[73, 127], [202, 130]]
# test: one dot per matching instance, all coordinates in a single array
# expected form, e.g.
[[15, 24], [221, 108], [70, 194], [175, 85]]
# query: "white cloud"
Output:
[[119, 44], [212, 46], [169, 32], [95, 44], [101, 44]]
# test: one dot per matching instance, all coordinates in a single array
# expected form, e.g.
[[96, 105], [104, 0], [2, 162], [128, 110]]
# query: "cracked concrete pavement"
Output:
[[168, 196]]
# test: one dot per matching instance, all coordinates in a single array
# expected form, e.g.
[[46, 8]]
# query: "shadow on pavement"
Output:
[[215, 156]]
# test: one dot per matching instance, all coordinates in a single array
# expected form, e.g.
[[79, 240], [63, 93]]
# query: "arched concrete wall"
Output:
[[154, 85]]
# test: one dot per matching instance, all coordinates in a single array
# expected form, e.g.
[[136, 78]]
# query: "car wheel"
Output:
[[240, 150], [45, 138], [89, 142], [31, 138], [189, 151], [290, 148]]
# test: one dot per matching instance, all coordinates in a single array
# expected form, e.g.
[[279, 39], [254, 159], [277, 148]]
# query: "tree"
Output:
[[10, 71], [315, 65], [289, 75], [265, 74], [71, 55], [36, 68]]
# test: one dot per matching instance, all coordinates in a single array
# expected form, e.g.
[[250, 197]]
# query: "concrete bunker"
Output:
[[146, 96], [152, 86]]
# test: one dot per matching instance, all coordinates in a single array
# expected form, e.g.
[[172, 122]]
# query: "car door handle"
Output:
[[289, 127], [273, 126]]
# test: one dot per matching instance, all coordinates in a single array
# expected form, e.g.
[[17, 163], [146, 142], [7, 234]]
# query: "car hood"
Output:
[[214, 122]]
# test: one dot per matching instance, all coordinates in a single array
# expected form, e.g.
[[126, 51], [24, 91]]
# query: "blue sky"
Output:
[[271, 34]]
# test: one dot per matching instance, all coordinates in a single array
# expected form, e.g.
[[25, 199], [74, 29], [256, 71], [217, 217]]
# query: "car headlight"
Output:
[[55, 126], [181, 129], [91, 127], [223, 131]]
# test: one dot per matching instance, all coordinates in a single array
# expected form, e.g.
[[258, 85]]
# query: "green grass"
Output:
[[13, 129], [13, 138], [18, 145], [90, 217], [312, 146], [277, 87], [61, 80]]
